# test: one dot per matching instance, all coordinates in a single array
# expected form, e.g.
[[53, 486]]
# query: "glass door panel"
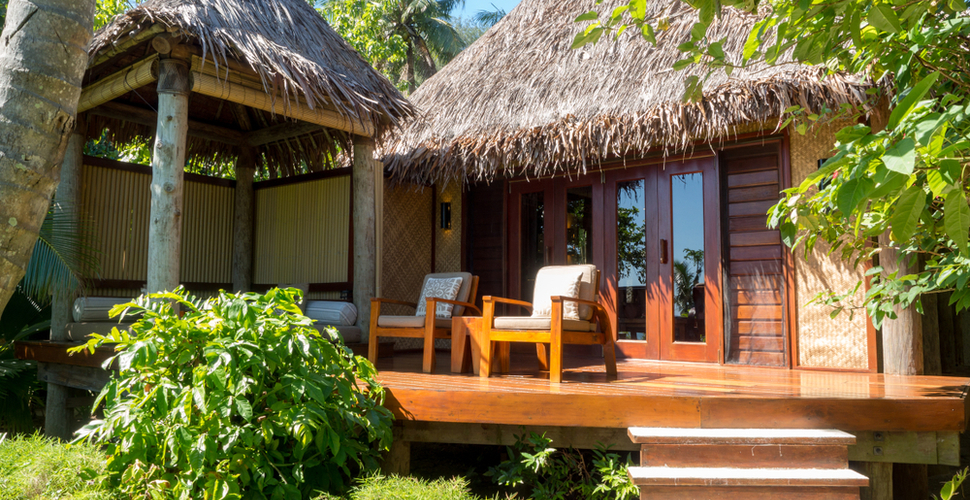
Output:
[[687, 254], [579, 225], [534, 254], [631, 312]]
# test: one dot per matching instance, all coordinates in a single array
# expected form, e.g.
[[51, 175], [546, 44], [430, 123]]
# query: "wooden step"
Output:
[[731, 476], [745, 455], [749, 493], [679, 435]]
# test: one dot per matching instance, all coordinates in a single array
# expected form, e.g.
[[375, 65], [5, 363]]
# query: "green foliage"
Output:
[[631, 251], [952, 487], [108, 9], [544, 473], [38, 468], [404, 39], [908, 182], [377, 487], [687, 274], [234, 397]]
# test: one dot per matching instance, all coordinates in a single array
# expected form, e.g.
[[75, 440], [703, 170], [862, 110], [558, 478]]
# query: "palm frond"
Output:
[[61, 255], [488, 18]]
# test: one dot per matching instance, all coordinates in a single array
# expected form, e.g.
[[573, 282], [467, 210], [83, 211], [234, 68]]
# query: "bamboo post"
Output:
[[365, 230], [57, 417], [242, 222], [168, 163]]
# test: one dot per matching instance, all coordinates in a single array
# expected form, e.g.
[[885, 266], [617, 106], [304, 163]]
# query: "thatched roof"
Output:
[[286, 42], [519, 101]]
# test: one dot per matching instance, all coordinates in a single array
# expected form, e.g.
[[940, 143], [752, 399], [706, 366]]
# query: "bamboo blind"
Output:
[[302, 232], [118, 202]]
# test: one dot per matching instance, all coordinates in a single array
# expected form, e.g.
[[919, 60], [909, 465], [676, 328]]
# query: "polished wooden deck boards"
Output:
[[675, 395]]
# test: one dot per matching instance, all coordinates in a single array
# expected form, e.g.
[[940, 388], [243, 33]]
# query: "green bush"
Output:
[[38, 468], [541, 472], [408, 488], [236, 397]]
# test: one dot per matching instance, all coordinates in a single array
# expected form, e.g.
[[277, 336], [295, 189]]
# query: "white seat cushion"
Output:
[[527, 323], [442, 288], [410, 322], [331, 312], [556, 280], [95, 309]]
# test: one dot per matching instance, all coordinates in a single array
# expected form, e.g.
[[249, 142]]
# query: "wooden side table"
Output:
[[466, 350]]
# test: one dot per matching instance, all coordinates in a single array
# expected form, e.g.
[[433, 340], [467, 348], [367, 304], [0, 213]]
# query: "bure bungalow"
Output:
[[522, 153]]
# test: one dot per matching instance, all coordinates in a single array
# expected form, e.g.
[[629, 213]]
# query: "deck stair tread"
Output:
[[729, 476], [669, 435]]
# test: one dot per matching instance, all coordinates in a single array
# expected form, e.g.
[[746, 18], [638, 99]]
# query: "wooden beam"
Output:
[[78, 377], [586, 438], [142, 116], [213, 86], [280, 132], [134, 38], [941, 447], [119, 83], [168, 163]]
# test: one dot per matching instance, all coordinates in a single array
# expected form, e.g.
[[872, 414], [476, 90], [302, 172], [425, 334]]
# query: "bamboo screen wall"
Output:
[[302, 233], [822, 341], [115, 198]]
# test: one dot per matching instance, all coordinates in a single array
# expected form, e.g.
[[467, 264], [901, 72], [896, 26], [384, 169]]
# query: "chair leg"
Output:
[[485, 363], [555, 358], [609, 357], [504, 356], [372, 344], [428, 361], [542, 355]]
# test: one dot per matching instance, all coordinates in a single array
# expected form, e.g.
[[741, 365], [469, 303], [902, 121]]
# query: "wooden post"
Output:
[[242, 222], [880, 476], [397, 460], [365, 230], [902, 338], [902, 346], [168, 164], [58, 419]]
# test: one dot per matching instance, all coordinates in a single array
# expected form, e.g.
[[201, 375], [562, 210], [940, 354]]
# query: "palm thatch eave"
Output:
[[520, 101]]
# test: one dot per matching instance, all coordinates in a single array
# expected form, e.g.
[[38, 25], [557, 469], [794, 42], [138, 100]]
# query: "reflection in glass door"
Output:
[[532, 224], [631, 299], [687, 256], [579, 225]]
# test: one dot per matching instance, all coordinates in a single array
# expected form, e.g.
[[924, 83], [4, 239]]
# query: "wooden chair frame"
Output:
[[428, 332], [555, 337]]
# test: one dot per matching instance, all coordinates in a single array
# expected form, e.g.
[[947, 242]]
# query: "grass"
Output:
[[407, 488], [38, 468]]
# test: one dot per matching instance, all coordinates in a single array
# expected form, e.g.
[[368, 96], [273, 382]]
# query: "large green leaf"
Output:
[[883, 17], [904, 107], [907, 213], [901, 157], [852, 193], [956, 218]]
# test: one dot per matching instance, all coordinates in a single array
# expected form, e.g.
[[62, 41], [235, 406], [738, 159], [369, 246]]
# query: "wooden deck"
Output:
[[664, 394]]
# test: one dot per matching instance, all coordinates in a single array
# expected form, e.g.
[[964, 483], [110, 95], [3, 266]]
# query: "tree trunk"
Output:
[[42, 62], [409, 70]]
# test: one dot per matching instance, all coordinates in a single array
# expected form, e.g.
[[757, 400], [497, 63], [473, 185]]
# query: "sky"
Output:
[[473, 6]]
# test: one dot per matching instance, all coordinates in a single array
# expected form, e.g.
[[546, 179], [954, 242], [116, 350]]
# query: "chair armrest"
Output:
[[431, 307], [590, 303], [392, 301], [503, 300]]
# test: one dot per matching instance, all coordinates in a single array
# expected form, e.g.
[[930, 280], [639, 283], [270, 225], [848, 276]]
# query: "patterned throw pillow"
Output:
[[442, 288], [549, 284]]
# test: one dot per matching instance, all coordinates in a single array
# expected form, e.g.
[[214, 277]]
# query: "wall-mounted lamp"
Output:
[[446, 215]]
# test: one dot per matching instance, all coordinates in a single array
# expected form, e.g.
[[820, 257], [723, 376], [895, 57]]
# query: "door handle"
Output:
[[663, 251]]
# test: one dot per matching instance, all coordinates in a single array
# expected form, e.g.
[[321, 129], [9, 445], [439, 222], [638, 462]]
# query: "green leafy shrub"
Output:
[[35, 467], [952, 487], [379, 487], [541, 472], [236, 397]]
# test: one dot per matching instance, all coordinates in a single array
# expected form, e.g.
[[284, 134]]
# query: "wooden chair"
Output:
[[554, 330], [427, 327]]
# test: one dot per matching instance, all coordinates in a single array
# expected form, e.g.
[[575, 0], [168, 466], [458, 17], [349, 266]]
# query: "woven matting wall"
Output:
[[823, 341], [407, 248], [448, 243]]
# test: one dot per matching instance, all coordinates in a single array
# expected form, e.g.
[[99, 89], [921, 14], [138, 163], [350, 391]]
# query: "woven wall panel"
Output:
[[448, 249], [302, 232], [822, 341], [407, 248], [118, 203]]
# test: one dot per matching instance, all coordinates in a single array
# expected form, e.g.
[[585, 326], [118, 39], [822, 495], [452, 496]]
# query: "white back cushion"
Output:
[[442, 288], [552, 281]]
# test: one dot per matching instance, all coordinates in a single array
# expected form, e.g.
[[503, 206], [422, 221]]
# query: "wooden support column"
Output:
[[902, 350], [365, 230], [242, 222], [880, 476], [168, 164], [397, 460], [58, 419]]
